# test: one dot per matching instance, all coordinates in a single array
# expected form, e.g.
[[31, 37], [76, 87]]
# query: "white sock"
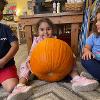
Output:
[[20, 84], [76, 77]]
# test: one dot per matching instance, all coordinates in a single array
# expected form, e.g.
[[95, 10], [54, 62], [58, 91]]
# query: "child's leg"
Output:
[[24, 73], [23, 80], [93, 67], [9, 78], [21, 91], [74, 73], [81, 83], [10, 84]]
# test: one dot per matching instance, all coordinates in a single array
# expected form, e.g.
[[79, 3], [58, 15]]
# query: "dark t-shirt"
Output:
[[6, 37]]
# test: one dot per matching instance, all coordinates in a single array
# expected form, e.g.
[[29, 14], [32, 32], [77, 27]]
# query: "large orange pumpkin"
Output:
[[51, 60]]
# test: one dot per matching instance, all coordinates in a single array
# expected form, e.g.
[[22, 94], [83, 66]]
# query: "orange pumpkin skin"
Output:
[[51, 60]]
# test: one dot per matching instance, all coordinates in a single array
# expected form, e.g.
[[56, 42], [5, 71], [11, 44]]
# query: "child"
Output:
[[44, 29], [8, 48], [91, 51]]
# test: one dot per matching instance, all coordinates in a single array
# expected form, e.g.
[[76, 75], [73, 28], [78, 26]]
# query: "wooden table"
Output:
[[74, 18]]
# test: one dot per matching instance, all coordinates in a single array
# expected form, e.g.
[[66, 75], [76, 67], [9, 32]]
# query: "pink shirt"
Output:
[[36, 40], [24, 70]]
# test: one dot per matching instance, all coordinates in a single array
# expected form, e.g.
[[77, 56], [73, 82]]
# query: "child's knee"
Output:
[[9, 86]]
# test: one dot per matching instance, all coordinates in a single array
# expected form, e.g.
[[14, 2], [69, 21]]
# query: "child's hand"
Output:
[[2, 63], [28, 65], [88, 55]]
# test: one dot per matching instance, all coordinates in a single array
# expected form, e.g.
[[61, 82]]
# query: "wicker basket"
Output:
[[73, 6]]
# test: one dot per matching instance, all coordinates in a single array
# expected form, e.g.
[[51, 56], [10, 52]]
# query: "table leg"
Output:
[[74, 38], [28, 36]]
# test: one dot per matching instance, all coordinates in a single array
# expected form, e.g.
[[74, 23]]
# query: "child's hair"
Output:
[[4, 2], [94, 23], [47, 20]]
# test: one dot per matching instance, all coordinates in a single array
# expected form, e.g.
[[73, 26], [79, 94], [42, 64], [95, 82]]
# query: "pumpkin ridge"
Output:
[[50, 56], [63, 58], [59, 57]]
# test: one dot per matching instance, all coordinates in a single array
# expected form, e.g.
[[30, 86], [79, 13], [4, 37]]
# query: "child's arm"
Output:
[[33, 45], [11, 53], [87, 54]]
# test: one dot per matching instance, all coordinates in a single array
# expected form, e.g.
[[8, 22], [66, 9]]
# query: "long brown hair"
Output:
[[44, 19], [3, 2], [94, 29]]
